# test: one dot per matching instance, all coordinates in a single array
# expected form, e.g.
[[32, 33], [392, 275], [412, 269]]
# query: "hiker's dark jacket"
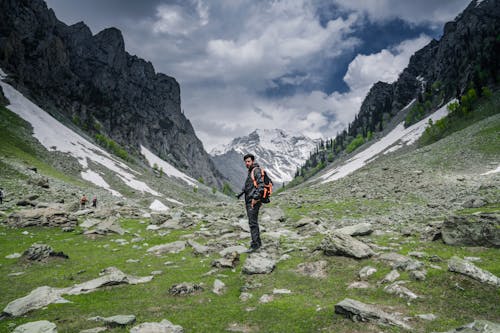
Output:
[[252, 192]]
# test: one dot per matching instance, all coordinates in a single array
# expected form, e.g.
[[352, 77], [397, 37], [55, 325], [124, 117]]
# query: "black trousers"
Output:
[[253, 222]]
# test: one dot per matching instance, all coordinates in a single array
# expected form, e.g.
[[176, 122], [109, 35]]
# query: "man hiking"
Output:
[[1, 195], [253, 194], [83, 201]]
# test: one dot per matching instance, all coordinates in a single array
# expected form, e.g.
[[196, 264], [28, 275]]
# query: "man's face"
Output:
[[248, 163]]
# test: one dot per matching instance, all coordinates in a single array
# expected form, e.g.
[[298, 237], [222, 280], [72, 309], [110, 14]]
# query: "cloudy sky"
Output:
[[299, 65]]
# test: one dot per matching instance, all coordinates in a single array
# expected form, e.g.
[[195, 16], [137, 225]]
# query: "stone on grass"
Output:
[[418, 275], [315, 269], [472, 230], [245, 296], [281, 291], [258, 264], [219, 287], [366, 271], [185, 288], [478, 326], [358, 311], [174, 247], [163, 326], [41, 252], [266, 299], [337, 243], [43, 296], [399, 261], [467, 268], [359, 285], [13, 256], [398, 289], [360, 229], [42, 326], [390, 277], [197, 247], [238, 249], [95, 330], [230, 260], [427, 316], [118, 320]]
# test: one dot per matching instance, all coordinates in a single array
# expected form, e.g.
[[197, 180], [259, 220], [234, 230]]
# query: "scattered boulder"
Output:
[[472, 230], [474, 202], [427, 316], [43, 296], [185, 288], [317, 269], [366, 272], [398, 289], [399, 261], [110, 225], [266, 299], [337, 243], [163, 326], [174, 247], [359, 285], [478, 326], [118, 320], [244, 296], [95, 330], [390, 277], [467, 268], [418, 275], [41, 252], [198, 248], [46, 217], [42, 326], [230, 260], [358, 311], [258, 264], [219, 287], [360, 229], [238, 248], [432, 231]]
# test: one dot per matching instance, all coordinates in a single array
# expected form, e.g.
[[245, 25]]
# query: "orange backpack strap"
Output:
[[253, 177]]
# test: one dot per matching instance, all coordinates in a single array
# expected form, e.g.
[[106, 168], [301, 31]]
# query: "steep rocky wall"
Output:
[[92, 81]]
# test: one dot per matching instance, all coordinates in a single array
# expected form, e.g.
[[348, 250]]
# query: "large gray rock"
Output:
[[478, 326], [163, 326], [473, 230], [258, 264], [360, 229], [43, 217], [230, 260], [118, 320], [337, 243], [42, 326], [358, 311], [174, 247], [474, 202], [467, 268], [41, 252], [43, 296]]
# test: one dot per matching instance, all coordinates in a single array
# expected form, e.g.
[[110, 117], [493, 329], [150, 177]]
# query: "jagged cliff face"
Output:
[[467, 53], [94, 82]]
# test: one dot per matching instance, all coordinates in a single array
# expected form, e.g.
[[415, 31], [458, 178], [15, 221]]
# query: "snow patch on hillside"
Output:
[[491, 171], [55, 136], [167, 168], [158, 206], [394, 140]]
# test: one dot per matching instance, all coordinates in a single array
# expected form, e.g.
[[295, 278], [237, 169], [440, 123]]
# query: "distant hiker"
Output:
[[1, 195], [253, 191], [94, 202], [83, 201]]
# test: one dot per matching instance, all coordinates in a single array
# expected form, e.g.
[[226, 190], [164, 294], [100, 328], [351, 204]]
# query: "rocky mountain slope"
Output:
[[91, 81], [279, 152], [465, 57]]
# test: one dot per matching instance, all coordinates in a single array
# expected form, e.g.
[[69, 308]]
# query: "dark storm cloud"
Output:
[[305, 64]]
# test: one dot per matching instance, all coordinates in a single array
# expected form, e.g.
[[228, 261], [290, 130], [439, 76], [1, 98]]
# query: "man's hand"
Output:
[[254, 202]]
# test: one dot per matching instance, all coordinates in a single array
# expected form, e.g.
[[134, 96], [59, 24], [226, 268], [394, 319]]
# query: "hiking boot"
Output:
[[252, 249]]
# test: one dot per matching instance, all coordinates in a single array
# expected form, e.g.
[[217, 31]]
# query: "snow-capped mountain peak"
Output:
[[278, 151]]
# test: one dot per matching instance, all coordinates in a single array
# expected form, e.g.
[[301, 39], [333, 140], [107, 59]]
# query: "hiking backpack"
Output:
[[268, 185]]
